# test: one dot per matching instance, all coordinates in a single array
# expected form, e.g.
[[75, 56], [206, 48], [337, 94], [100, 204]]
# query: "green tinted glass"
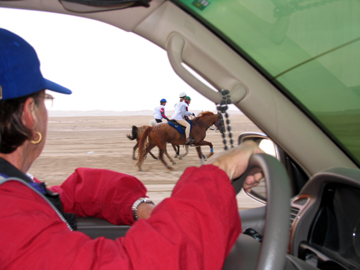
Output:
[[310, 48]]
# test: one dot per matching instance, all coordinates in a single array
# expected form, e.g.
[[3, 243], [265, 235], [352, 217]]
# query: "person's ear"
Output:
[[29, 118]]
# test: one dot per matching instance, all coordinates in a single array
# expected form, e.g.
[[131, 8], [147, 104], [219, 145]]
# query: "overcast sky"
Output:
[[105, 67]]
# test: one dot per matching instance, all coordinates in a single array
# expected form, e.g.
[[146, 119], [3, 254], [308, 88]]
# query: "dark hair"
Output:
[[12, 131]]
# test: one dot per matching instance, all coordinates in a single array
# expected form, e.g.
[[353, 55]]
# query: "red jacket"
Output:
[[193, 229]]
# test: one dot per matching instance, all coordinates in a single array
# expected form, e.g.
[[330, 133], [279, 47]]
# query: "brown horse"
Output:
[[137, 132], [160, 134]]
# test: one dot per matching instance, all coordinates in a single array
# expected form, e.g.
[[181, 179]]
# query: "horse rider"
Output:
[[159, 112], [181, 110]]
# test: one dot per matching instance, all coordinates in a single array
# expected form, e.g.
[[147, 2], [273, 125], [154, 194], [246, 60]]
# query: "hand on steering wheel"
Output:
[[240, 164], [235, 161]]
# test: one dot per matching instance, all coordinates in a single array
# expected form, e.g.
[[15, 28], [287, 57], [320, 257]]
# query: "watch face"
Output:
[[136, 205]]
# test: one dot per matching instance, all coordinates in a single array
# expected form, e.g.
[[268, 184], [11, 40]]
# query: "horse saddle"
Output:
[[179, 127]]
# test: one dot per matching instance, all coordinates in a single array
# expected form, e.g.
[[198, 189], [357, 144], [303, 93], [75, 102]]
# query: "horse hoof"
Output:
[[210, 155], [170, 168]]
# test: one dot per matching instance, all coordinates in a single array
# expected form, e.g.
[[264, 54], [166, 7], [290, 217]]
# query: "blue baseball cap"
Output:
[[20, 73]]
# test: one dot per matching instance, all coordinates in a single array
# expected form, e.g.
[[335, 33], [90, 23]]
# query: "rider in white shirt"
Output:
[[180, 113], [159, 112]]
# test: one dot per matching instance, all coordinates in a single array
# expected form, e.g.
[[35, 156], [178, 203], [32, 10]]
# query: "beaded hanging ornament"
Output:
[[222, 109]]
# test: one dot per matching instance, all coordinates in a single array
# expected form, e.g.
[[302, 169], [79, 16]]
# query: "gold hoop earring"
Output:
[[39, 140]]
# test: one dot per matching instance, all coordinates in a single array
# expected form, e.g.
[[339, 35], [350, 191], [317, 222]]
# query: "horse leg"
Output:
[[134, 150], [176, 149], [186, 152], [152, 155], [211, 149], [200, 154], [161, 156], [147, 150], [171, 160], [150, 146]]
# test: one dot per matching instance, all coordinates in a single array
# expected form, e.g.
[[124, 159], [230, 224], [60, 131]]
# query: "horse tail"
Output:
[[133, 133], [152, 122], [142, 146]]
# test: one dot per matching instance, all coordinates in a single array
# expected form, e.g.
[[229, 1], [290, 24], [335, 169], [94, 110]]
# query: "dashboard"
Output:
[[325, 220]]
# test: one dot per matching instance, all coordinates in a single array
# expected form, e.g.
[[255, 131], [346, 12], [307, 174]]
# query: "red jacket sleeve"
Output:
[[101, 193], [162, 111], [193, 229]]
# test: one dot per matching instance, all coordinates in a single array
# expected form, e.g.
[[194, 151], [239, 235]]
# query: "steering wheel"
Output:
[[277, 223]]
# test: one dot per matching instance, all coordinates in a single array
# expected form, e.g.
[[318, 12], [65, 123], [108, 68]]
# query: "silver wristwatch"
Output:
[[136, 205]]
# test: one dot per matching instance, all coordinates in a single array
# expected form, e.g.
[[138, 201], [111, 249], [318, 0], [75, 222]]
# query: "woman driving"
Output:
[[37, 224]]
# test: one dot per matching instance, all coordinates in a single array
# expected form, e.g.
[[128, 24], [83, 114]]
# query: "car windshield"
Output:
[[308, 49]]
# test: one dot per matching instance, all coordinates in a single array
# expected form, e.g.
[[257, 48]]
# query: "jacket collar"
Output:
[[8, 170]]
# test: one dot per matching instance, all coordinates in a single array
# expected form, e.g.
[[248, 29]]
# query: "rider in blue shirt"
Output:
[[159, 112]]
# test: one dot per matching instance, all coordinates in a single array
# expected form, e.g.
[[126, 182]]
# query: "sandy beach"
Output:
[[101, 142]]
